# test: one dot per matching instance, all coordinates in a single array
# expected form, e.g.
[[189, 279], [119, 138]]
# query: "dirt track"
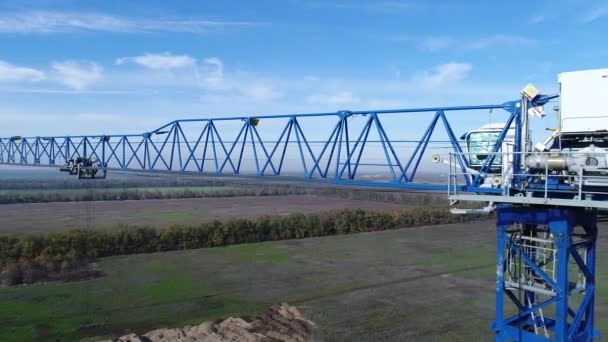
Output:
[[37, 217]]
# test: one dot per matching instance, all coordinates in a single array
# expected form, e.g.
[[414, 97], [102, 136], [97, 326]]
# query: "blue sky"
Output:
[[96, 66]]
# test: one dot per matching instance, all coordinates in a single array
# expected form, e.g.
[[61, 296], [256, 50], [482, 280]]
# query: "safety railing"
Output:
[[564, 179], [520, 274]]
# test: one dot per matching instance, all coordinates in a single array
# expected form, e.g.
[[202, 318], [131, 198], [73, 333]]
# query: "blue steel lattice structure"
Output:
[[536, 241], [568, 324], [207, 149]]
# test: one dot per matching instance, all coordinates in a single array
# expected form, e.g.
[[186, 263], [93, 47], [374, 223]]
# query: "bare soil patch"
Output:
[[40, 217], [279, 323]]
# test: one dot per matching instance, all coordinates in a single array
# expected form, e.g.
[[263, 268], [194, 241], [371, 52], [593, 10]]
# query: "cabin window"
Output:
[[479, 144]]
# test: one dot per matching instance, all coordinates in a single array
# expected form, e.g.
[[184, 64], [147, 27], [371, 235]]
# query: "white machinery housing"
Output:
[[584, 102], [581, 145], [578, 149]]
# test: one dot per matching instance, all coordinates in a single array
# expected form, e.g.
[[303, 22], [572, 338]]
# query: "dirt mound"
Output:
[[279, 323]]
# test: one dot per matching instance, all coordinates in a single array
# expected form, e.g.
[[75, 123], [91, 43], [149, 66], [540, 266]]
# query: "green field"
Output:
[[422, 284]]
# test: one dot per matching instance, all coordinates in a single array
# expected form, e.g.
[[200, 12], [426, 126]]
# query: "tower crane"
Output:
[[546, 195]]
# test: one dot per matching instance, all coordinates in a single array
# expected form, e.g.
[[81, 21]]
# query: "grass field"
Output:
[[419, 284]]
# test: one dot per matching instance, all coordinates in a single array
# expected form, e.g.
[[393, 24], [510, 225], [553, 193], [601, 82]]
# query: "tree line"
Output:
[[61, 255], [128, 181], [13, 197], [235, 190]]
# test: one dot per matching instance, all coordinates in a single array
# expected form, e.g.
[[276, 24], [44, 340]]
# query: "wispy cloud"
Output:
[[594, 13], [342, 98], [77, 75], [370, 6], [436, 43], [224, 90], [217, 85], [213, 69], [445, 73], [64, 22], [61, 122], [160, 61], [21, 90], [537, 19], [261, 91], [439, 43], [13, 73], [503, 40], [392, 6]]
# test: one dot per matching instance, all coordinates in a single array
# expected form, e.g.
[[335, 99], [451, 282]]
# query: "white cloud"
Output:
[[23, 90], [371, 6], [160, 61], [445, 73], [216, 84], [536, 19], [436, 43], [63, 122], [262, 92], [210, 75], [214, 80], [77, 75], [500, 40], [594, 13], [13, 73], [333, 99], [215, 72], [61, 22], [155, 94], [439, 43], [393, 6]]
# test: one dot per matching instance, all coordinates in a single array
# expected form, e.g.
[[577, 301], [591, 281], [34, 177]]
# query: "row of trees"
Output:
[[61, 181], [391, 196], [51, 249], [136, 194], [231, 191]]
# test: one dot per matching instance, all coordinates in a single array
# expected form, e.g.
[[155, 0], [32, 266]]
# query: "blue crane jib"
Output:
[[224, 145], [546, 195]]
